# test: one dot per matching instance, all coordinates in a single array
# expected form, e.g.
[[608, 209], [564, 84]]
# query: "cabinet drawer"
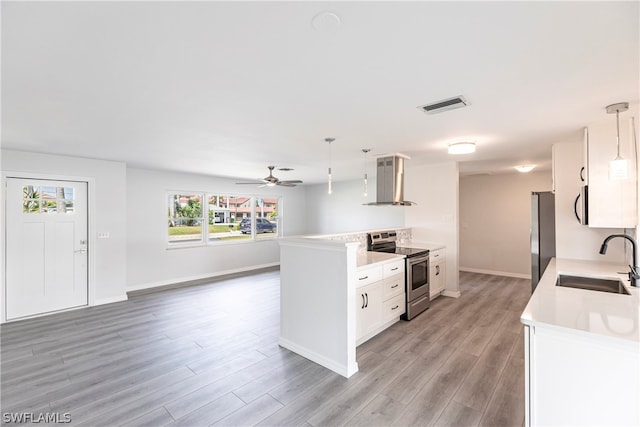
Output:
[[393, 308], [368, 275], [392, 268], [436, 255], [392, 286]]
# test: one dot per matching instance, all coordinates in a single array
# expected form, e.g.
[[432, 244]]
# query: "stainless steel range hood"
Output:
[[390, 181]]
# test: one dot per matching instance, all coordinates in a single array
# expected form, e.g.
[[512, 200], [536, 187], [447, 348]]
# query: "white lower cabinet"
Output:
[[573, 379], [380, 303], [369, 314], [437, 272]]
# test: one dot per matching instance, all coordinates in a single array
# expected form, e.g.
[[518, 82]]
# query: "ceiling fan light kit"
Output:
[[272, 181]]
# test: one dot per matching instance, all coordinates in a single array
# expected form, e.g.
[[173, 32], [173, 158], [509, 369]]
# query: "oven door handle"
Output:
[[420, 300]]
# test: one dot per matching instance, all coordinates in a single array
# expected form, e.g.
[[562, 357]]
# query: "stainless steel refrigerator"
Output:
[[543, 234]]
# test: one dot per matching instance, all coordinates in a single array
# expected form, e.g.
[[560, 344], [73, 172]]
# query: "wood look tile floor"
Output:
[[208, 355]]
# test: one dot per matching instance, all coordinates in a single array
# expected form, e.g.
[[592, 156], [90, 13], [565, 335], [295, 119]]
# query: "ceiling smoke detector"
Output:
[[444, 105]]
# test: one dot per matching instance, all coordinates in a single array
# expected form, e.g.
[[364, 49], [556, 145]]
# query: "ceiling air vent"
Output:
[[444, 105]]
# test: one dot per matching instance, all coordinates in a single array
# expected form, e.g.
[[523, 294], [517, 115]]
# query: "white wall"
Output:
[[574, 240], [435, 217], [107, 192], [152, 263], [495, 222], [344, 210]]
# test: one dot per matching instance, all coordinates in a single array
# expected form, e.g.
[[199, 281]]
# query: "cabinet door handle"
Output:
[[394, 269], [395, 308], [575, 209], [366, 295], [436, 256], [394, 286], [437, 270], [362, 295], [581, 174], [363, 278]]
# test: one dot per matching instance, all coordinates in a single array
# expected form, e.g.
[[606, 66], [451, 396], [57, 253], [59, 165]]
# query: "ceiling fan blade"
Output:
[[272, 180]]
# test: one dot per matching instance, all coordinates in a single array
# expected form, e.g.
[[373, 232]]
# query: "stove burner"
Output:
[[386, 242]]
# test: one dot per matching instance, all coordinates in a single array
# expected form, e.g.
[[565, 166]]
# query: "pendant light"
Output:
[[329, 140], [365, 151], [618, 167]]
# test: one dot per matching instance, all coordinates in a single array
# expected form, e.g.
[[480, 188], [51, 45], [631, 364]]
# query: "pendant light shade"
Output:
[[329, 190], [365, 151], [618, 167]]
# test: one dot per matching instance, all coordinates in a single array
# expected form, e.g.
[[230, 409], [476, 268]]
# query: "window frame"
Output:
[[204, 208]]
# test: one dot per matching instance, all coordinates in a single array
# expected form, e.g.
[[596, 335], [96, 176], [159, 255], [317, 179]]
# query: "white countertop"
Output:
[[421, 245], [585, 312]]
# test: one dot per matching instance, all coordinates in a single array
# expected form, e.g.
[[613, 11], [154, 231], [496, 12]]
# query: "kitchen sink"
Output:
[[592, 284]]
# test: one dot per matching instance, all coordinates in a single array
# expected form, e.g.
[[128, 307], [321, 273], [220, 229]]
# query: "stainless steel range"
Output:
[[416, 270]]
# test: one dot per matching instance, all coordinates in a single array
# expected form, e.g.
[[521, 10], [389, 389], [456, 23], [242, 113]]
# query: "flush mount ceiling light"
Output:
[[326, 21], [524, 168], [465, 147], [618, 167]]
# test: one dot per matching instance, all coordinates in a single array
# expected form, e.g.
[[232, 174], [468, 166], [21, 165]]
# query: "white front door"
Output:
[[46, 252]]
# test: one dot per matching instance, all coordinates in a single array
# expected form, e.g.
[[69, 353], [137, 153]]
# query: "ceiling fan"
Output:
[[271, 180]]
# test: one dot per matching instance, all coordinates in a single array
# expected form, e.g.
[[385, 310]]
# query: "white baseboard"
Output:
[[453, 294], [495, 273], [344, 370], [110, 300], [215, 275]]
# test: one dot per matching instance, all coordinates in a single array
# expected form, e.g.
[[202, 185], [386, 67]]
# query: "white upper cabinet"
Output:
[[612, 203]]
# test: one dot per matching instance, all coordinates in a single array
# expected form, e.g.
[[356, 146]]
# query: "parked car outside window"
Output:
[[263, 225]]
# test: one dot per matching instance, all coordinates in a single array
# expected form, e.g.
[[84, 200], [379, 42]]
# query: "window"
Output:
[[185, 218], [266, 217], [226, 218], [43, 199], [225, 215]]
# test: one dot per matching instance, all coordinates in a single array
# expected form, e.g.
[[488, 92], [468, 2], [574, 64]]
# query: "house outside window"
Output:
[[223, 218]]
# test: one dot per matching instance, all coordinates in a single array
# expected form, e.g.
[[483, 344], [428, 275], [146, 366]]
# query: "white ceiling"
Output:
[[227, 88]]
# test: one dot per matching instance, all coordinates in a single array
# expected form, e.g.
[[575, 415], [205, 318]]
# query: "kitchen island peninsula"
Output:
[[319, 282]]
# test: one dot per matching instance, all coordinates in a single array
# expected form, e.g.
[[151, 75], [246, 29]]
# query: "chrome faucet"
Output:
[[634, 274]]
